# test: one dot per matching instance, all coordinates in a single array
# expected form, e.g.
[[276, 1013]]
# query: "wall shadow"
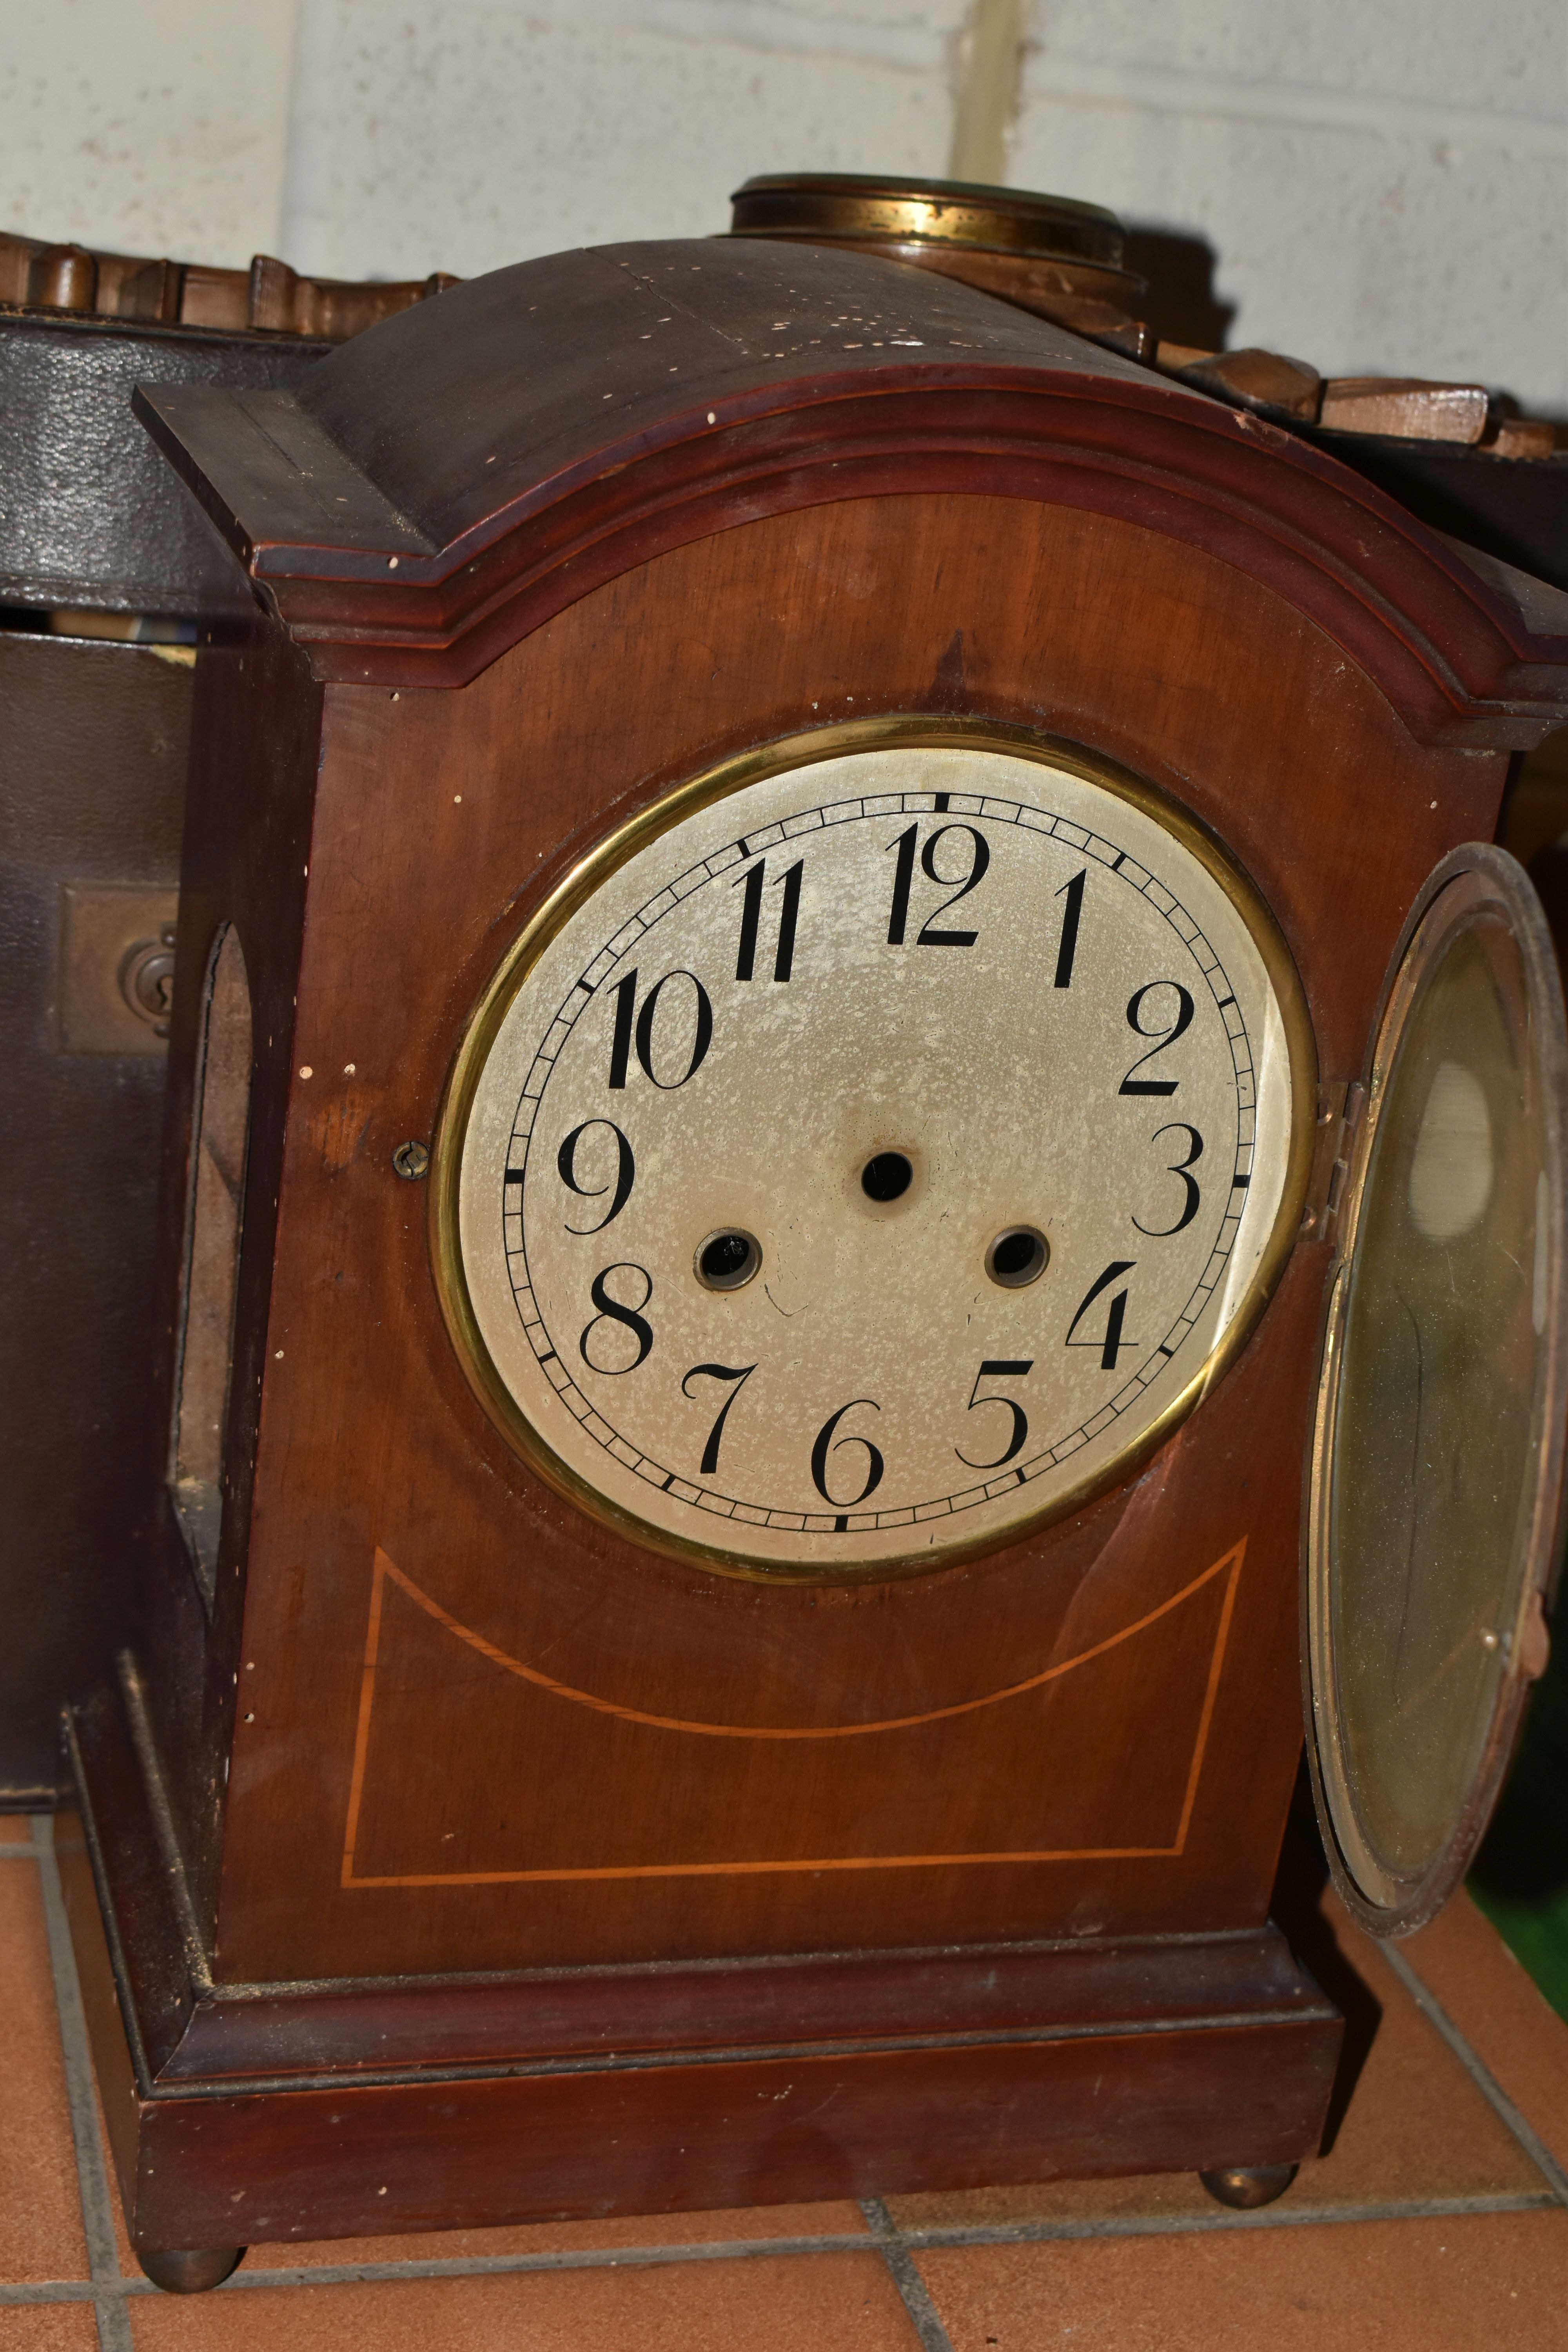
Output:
[[1298, 1910], [1524, 1856], [1182, 305]]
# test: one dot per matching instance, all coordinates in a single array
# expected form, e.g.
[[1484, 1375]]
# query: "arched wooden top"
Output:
[[444, 484]]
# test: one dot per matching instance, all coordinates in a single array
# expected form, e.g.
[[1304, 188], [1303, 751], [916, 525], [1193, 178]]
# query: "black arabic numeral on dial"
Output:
[[622, 1311], [903, 875], [752, 915], [1162, 1037], [739, 1374], [626, 1033], [625, 1172], [626, 995], [1112, 1341], [826, 1443], [1181, 1168], [789, 913], [1068, 945], [1000, 1369], [979, 860], [961, 885]]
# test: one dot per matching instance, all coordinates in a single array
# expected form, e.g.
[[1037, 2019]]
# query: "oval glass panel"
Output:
[[1437, 1465]]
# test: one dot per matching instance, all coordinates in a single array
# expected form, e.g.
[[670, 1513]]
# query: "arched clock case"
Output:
[[826, 955]]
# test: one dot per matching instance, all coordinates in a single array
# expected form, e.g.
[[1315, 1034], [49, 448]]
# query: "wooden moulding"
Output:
[[411, 515], [295, 2110], [268, 297]]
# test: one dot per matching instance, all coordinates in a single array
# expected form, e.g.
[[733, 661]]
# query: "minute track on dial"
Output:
[[1115, 861]]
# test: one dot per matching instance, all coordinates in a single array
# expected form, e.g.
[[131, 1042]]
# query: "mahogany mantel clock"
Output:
[[823, 930]]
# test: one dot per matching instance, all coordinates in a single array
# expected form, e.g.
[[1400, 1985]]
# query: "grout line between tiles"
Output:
[[1485, 2082], [93, 2177], [457, 2266], [1173, 2225], [903, 2243], [109, 2291], [922, 2311]]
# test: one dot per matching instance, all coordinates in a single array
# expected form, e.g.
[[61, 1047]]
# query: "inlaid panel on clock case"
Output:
[[441, 1721], [472, 1773]]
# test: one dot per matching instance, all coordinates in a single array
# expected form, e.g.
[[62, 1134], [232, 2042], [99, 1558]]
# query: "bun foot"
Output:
[[189, 2270], [1248, 2184]]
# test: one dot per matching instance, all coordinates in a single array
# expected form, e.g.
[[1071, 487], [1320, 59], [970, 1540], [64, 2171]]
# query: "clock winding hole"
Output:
[[727, 1260], [1018, 1256], [887, 1176]]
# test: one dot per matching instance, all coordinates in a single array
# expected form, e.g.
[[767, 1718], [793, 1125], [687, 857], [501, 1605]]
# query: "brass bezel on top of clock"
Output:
[[636, 833]]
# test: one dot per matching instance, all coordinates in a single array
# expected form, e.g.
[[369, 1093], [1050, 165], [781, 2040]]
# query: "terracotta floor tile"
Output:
[[40, 2212], [835, 2303], [48, 2328], [128, 2266], [1512, 2027], [1136, 2196], [1416, 2127], [842, 2219], [128, 2263], [1485, 2282]]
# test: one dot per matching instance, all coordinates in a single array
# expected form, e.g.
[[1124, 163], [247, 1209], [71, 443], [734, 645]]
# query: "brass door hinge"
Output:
[[1340, 1104]]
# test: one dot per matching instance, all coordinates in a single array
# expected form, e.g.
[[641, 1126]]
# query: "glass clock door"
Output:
[[1435, 1492]]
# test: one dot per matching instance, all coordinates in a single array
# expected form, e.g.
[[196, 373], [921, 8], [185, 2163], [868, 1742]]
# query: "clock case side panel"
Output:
[[253, 758], [509, 781], [93, 756]]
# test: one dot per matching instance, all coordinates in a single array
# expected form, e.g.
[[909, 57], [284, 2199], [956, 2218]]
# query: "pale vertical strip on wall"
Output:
[[986, 88]]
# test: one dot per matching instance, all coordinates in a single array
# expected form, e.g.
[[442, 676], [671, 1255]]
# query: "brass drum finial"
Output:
[[1052, 255]]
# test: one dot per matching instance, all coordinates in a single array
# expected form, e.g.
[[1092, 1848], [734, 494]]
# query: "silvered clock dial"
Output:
[[872, 1149]]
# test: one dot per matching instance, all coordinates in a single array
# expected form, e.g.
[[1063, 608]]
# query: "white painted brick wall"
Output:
[[472, 133], [1384, 182], [146, 126]]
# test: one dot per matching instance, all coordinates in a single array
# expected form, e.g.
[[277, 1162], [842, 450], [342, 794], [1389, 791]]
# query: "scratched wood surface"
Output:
[[509, 1809], [440, 490]]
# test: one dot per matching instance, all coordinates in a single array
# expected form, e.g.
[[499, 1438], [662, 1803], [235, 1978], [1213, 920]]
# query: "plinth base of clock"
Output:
[[299, 2111]]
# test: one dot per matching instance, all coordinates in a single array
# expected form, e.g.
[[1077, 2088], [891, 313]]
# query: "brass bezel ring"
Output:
[[573, 891], [833, 205]]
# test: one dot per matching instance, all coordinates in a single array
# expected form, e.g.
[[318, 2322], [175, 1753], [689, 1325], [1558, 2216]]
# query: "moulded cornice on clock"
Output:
[[433, 496]]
